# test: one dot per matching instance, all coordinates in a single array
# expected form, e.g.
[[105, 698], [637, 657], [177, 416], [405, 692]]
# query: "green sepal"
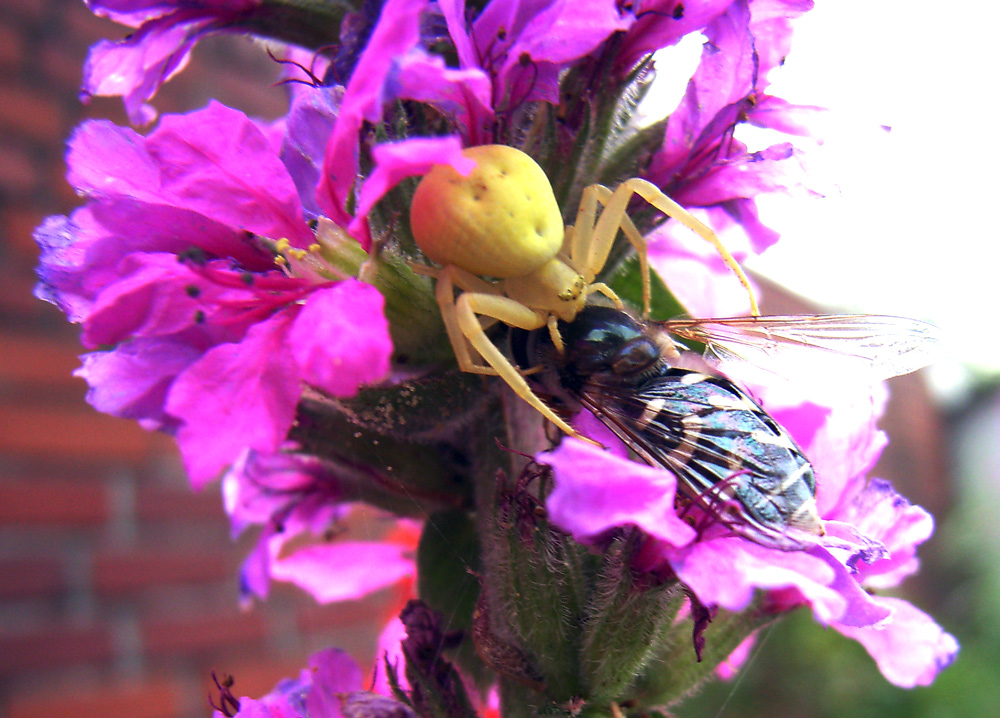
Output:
[[431, 408], [626, 615], [418, 333], [312, 24], [537, 592], [674, 672]]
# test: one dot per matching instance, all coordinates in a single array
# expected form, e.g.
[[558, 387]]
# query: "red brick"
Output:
[[30, 577], [19, 227], [31, 359], [149, 699], [203, 633], [79, 434], [63, 195], [18, 175], [116, 573], [32, 114], [88, 28], [62, 66], [11, 48], [156, 504], [17, 298], [25, 10], [53, 647], [52, 501]]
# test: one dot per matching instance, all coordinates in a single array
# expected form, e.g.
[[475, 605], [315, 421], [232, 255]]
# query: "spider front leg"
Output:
[[465, 312], [614, 216], [590, 244]]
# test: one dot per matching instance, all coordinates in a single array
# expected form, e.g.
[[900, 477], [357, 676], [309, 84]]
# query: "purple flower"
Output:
[[166, 31], [521, 47], [392, 66], [872, 534], [327, 688], [298, 500], [192, 259], [701, 164]]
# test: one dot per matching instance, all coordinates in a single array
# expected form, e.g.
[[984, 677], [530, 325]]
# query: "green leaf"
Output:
[[627, 284], [448, 570]]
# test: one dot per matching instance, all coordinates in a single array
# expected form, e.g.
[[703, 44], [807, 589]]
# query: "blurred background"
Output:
[[118, 587]]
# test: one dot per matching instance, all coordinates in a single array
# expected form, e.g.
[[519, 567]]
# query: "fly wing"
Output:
[[864, 347], [723, 448]]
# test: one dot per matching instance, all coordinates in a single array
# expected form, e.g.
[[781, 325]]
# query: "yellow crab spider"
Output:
[[499, 238]]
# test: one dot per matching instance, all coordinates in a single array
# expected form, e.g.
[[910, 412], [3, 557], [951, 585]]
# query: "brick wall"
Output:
[[117, 583]]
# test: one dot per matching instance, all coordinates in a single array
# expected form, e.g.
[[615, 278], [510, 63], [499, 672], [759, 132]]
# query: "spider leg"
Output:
[[592, 241], [447, 279], [616, 205], [468, 308]]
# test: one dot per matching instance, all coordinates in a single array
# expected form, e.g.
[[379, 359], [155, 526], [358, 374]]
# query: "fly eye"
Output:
[[635, 356]]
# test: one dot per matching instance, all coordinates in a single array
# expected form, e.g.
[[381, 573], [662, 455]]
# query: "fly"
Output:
[[675, 411]]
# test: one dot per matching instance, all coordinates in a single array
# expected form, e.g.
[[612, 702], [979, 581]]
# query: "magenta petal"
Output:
[[657, 27], [220, 163], [462, 94], [567, 30], [333, 673], [397, 32], [725, 76], [308, 126], [344, 571], [132, 380], [772, 31], [236, 396], [911, 650], [390, 650], [129, 189], [596, 491], [340, 339], [158, 296], [775, 169], [860, 608], [879, 512], [395, 161], [136, 67], [777, 114], [749, 567]]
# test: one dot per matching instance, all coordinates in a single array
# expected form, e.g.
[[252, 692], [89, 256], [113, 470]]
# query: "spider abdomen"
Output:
[[500, 221]]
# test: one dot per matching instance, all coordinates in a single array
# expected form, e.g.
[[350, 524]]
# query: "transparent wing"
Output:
[[868, 347], [720, 460]]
